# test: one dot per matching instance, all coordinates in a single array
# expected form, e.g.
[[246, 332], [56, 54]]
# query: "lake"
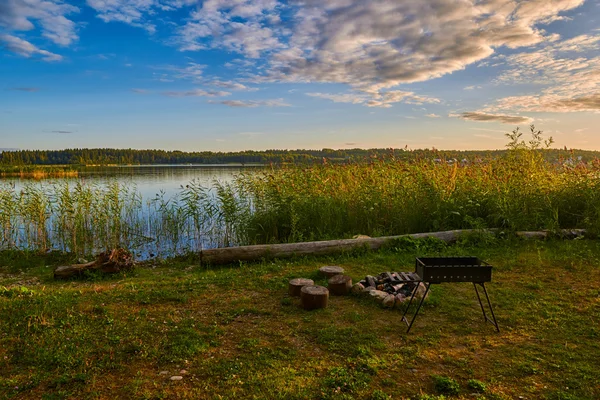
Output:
[[157, 210], [149, 179]]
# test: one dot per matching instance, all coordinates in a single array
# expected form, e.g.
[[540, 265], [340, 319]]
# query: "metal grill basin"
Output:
[[453, 269]]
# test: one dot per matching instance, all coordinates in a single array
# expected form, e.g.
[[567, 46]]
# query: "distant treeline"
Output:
[[135, 157]]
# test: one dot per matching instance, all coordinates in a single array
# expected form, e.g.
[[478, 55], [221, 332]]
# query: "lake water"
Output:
[[151, 179], [148, 225]]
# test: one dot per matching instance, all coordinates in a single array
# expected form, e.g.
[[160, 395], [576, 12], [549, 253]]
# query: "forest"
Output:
[[107, 156]]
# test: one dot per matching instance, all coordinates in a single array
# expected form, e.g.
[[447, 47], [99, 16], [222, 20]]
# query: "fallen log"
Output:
[[114, 261], [256, 252]]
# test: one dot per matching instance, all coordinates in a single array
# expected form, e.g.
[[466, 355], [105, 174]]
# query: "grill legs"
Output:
[[428, 285], [404, 319], [485, 317]]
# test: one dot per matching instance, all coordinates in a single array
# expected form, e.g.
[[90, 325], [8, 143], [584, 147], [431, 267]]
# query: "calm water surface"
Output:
[[150, 231], [151, 179]]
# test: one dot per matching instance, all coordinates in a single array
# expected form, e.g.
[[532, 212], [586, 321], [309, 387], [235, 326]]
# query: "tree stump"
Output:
[[340, 285], [297, 284], [331, 270], [314, 297]]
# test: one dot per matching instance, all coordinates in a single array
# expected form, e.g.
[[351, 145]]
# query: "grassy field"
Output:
[[237, 334]]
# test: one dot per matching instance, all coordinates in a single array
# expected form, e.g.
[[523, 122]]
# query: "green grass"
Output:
[[237, 334]]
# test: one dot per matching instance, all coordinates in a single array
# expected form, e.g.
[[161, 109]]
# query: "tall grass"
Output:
[[386, 196], [521, 191]]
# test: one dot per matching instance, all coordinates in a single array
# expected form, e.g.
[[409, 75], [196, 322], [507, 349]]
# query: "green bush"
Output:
[[446, 385]]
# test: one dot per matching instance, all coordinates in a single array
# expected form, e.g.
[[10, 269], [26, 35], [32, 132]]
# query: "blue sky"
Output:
[[263, 74]]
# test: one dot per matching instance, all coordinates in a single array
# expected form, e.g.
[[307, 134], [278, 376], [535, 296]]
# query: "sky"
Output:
[[228, 75]]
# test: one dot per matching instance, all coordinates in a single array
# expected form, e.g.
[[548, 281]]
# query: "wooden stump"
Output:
[[297, 284], [314, 297], [331, 270], [340, 285]]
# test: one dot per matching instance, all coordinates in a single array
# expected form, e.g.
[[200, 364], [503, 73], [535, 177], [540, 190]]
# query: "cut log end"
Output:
[[314, 297], [331, 270], [296, 285], [340, 285]]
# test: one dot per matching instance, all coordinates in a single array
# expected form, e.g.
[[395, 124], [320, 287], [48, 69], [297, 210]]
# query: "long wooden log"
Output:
[[251, 253]]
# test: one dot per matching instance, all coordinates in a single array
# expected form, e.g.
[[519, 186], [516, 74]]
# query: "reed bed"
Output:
[[521, 191], [84, 218], [382, 196]]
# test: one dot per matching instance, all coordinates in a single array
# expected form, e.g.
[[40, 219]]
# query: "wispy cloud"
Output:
[[25, 89], [252, 103], [26, 49], [49, 15], [131, 12], [380, 99], [140, 91], [197, 93], [483, 117], [432, 115]]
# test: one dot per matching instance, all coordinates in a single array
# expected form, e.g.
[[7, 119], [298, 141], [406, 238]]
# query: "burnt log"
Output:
[[296, 285], [339, 285], [314, 297]]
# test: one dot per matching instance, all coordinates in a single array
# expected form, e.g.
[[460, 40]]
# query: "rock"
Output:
[[420, 291], [370, 280], [400, 298], [389, 301], [183, 372], [361, 237], [163, 373], [176, 378], [369, 289], [358, 288], [378, 295]]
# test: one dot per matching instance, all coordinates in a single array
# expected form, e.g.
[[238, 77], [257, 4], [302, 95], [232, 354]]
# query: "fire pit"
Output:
[[432, 270]]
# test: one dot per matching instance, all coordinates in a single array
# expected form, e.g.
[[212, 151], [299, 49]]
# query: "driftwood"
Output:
[[339, 285], [108, 262], [314, 297], [251, 253], [296, 285]]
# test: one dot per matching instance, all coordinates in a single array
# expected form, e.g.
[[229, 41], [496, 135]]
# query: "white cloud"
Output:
[[132, 12], [252, 103], [26, 49], [17, 15], [432, 115], [237, 25], [483, 117], [380, 44]]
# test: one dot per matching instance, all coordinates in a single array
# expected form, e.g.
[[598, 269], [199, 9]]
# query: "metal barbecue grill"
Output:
[[432, 270]]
